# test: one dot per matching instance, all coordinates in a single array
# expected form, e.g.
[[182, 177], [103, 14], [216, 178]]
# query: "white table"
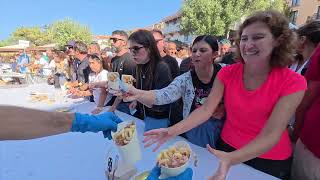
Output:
[[21, 97], [76, 156]]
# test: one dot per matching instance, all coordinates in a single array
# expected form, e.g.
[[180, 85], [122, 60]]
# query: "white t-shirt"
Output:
[[93, 78], [45, 68]]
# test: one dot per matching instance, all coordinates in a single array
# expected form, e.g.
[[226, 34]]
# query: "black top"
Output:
[[173, 65], [202, 90], [162, 78], [124, 65], [185, 65], [83, 70], [228, 58]]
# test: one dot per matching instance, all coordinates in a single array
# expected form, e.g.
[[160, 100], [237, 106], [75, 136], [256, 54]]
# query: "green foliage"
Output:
[[63, 31], [60, 32], [216, 17], [33, 34], [6, 42]]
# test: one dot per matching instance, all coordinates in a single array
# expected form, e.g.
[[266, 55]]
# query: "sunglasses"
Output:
[[135, 49], [114, 40]]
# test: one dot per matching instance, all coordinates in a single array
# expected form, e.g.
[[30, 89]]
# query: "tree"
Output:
[[34, 34], [215, 17], [63, 31]]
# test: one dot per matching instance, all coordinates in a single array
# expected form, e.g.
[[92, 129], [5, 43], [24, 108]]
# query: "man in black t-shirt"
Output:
[[123, 64], [176, 107], [171, 61]]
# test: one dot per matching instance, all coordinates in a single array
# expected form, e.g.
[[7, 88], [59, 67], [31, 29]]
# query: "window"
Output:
[[295, 2], [318, 13], [293, 17]]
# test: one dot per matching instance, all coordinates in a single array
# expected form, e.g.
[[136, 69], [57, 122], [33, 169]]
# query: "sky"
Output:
[[102, 16]]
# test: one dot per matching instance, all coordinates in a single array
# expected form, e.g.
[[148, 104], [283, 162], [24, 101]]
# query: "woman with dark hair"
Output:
[[260, 95], [152, 73], [308, 39], [193, 87]]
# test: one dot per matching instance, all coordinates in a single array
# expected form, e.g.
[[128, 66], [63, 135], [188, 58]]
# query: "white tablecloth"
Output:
[[77, 156]]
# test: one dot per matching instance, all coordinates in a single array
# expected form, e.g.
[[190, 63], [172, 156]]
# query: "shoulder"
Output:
[[162, 66], [289, 80]]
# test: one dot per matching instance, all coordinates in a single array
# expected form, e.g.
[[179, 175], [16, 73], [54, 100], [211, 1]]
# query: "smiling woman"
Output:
[[260, 95]]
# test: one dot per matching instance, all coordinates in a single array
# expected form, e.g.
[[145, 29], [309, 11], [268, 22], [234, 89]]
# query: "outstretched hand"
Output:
[[156, 136], [224, 164]]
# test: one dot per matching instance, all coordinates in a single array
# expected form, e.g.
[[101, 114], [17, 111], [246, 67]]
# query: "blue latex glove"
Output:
[[105, 122], [155, 173]]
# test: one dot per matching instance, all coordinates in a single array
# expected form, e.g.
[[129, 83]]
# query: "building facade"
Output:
[[303, 11]]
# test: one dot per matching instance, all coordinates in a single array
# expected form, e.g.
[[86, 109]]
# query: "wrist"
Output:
[[100, 108]]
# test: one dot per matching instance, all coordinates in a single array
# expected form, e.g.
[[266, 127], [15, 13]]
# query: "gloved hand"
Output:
[[155, 173], [105, 122]]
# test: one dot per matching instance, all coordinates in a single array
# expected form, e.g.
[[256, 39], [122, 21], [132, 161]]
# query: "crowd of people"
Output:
[[252, 101]]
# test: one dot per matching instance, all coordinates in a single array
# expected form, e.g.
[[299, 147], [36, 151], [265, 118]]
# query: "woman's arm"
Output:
[[22, 123], [310, 95], [102, 97], [115, 104], [272, 131], [201, 114]]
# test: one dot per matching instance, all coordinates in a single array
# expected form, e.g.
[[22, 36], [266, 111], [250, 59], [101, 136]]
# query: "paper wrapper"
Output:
[[113, 82], [131, 152], [172, 172]]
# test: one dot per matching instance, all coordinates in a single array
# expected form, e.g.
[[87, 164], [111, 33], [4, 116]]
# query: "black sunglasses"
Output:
[[114, 40], [135, 49]]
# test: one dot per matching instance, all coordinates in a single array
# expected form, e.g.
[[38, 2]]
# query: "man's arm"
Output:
[[23, 123]]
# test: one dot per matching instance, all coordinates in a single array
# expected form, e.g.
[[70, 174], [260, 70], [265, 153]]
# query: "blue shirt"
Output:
[[23, 60]]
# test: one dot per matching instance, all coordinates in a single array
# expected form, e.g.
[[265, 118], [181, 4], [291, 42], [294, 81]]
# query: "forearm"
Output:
[[21, 123], [146, 97], [196, 118], [115, 104], [260, 145], [102, 97]]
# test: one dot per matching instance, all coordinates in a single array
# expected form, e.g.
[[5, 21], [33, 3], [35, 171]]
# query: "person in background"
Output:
[[306, 162], [83, 70], [253, 133], [123, 64], [171, 61], [226, 54], [152, 73], [99, 75], [94, 48], [171, 50], [106, 56], [72, 60], [22, 62], [193, 87], [308, 39]]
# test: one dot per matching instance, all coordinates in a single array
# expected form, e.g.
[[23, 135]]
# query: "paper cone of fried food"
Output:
[[113, 82], [126, 139], [127, 79]]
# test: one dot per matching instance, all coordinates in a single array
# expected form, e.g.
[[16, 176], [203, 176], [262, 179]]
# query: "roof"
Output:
[[172, 17]]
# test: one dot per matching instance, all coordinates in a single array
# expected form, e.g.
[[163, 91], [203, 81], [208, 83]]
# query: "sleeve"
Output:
[[313, 72], [293, 84], [104, 76], [225, 73], [170, 93], [163, 76]]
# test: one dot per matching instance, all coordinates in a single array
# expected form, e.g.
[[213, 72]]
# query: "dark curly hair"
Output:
[[282, 56]]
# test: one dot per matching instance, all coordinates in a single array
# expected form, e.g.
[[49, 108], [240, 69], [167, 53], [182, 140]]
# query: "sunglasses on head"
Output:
[[114, 40], [135, 49]]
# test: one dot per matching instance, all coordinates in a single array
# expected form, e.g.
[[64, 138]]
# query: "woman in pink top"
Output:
[[260, 95]]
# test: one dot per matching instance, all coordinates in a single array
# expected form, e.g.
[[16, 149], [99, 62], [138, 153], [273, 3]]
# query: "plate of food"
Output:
[[174, 160]]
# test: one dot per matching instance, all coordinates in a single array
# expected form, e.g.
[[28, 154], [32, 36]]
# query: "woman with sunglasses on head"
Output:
[[260, 95], [151, 73], [99, 75], [193, 87]]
